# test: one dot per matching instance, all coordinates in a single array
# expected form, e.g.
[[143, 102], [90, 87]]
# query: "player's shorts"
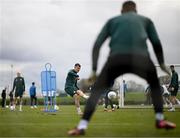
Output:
[[33, 96], [18, 94], [71, 91], [174, 92]]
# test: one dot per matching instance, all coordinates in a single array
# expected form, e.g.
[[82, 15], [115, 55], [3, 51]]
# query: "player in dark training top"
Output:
[[71, 87], [128, 34], [19, 88]]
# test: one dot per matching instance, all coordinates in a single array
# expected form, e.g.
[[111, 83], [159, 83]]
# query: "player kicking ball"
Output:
[[128, 35], [72, 89]]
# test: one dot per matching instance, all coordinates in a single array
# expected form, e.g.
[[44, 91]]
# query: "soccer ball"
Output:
[[56, 107], [112, 95], [11, 108], [114, 105]]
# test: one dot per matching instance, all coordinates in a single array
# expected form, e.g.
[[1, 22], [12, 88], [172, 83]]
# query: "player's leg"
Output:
[[111, 103], [148, 72], [101, 85], [15, 100], [35, 102], [2, 102], [77, 103], [155, 93], [165, 101], [72, 93], [173, 101], [82, 94], [178, 101], [31, 101], [168, 101], [106, 102], [20, 103]]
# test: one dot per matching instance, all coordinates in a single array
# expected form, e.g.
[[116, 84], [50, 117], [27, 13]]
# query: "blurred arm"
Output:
[[97, 45], [157, 47], [23, 85]]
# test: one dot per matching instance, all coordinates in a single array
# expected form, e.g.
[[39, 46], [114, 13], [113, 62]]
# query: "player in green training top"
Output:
[[128, 34], [173, 87], [71, 86], [19, 87]]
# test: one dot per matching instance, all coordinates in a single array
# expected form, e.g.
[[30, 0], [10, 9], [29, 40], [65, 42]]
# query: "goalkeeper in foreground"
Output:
[[128, 34]]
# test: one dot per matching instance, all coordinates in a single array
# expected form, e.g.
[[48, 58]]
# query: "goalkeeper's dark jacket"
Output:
[[128, 34]]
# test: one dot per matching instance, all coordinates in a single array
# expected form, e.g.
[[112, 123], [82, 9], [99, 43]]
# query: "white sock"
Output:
[[85, 96], [159, 116], [78, 109], [83, 124], [20, 107], [170, 105]]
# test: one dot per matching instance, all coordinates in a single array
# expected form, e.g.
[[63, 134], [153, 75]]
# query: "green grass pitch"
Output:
[[121, 123]]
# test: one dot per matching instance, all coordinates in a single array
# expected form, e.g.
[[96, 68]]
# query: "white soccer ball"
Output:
[[7, 106], [11, 108], [56, 107], [112, 95], [114, 105]]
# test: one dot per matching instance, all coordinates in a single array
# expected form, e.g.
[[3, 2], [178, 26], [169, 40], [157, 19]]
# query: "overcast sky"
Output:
[[62, 32]]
